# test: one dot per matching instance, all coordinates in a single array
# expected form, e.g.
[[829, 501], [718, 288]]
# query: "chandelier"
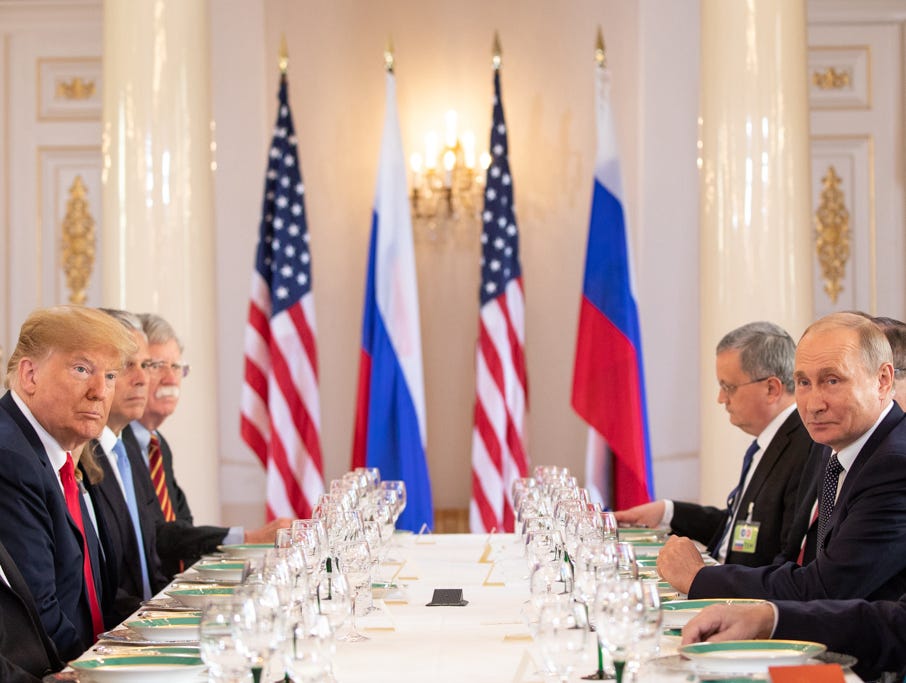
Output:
[[447, 185]]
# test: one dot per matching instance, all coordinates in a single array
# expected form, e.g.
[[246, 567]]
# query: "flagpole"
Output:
[[388, 56], [600, 52], [496, 53], [283, 55]]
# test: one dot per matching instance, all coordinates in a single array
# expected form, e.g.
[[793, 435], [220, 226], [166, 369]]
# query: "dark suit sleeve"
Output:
[[864, 555], [27, 531], [873, 632], [699, 522], [177, 496]]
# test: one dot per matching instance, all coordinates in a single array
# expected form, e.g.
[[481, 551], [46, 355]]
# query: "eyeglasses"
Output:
[[181, 369], [730, 389]]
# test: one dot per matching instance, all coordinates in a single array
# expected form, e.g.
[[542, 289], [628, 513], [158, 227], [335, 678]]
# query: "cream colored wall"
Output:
[[443, 61]]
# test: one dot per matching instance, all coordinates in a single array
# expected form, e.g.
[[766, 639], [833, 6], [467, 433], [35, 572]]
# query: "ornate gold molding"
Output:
[[832, 244], [75, 89], [78, 242], [831, 79]]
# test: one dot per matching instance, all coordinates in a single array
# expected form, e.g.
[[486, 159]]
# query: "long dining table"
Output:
[[485, 641]]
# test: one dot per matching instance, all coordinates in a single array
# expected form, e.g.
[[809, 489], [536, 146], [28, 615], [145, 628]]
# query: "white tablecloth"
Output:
[[486, 641]]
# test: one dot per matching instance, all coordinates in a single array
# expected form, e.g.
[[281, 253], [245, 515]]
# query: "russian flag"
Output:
[[390, 411], [608, 378]]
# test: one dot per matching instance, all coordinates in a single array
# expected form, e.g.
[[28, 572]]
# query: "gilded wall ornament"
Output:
[[78, 242], [832, 225]]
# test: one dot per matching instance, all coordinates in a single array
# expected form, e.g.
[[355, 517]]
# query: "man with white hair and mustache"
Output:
[[179, 541]]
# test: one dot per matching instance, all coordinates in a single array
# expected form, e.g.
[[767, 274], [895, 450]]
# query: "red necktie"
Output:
[[73, 504], [159, 478]]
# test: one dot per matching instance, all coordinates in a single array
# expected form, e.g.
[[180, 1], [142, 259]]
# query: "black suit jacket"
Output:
[[864, 553], [179, 540], [125, 546], [772, 492], [26, 652], [873, 632], [43, 540]]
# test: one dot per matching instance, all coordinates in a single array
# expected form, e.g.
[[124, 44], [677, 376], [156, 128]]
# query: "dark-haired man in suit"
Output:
[[754, 367]]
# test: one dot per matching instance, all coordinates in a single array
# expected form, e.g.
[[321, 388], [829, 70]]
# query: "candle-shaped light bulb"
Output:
[[468, 149], [415, 162], [431, 151], [450, 129], [485, 160], [449, 160]]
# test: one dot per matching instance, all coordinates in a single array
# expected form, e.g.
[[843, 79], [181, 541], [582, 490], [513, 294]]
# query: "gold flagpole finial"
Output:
[[283, 54], [496, 51], [600, 53], [388, 56]]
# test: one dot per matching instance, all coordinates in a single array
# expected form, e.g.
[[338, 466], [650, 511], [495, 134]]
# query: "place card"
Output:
[[807, 673], [491, 579]]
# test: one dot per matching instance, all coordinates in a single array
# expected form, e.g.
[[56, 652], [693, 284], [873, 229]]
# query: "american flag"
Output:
[[281, 417], [498, 441]]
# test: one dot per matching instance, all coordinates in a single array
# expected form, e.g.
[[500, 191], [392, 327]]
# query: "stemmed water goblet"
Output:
[[354, 560], [561, 635], [218, 642]]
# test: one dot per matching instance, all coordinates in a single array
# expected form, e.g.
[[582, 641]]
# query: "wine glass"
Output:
[[620, 620], [334, 599], [354, 560], [561, 635], [259, 625], [218, 643], [308, 655], [647, 643]]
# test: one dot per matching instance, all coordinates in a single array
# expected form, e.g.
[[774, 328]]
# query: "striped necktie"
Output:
[[159, 477], [74, 505]]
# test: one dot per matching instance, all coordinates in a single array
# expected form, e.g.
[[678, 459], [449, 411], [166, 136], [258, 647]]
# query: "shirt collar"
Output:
[[847, 456], [54, 451], [142, 435], [768, 433], [108, 440]]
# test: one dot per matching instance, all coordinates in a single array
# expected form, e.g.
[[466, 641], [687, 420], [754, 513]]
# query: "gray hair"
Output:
[[158, 330], [895, 331], [765, 350], [128, 320], [873, 344]]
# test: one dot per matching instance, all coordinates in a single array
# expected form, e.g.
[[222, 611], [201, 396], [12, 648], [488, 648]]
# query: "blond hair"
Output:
[[67, 329]]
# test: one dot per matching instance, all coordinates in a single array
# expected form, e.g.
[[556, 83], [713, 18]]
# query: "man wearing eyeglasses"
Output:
[[179, 541], [755, 379], [849, 534]]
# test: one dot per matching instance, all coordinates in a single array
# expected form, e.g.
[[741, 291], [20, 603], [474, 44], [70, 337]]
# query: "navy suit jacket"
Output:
[[125, 548], [26, 653], [772, 494], [179, 540], [41, 537], [873, 632], [864, 553]]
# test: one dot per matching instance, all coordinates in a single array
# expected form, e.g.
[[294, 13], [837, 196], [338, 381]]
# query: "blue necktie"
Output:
[[733, 498], [122, 463]]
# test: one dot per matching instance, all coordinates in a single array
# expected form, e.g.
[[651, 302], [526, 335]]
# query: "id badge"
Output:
[[745, 537]]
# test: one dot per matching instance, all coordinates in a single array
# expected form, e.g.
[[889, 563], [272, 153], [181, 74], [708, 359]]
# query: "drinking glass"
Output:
[[259, 626], [218, 643], [354, 560], [623, 621], [334, 599], [561, 635]]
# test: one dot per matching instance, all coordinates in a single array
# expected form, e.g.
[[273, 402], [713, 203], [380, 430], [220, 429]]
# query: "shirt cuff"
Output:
[[668, 513], [235, 536], [776, 617]]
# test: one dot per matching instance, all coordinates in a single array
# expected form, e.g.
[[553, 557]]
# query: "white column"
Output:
[[755, 207], [157, 201]]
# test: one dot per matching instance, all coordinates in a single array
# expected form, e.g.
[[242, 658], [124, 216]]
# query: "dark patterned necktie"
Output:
[[828, 496]]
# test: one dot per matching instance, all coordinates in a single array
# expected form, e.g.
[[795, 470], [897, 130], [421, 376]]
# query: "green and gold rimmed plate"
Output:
[[198, 597], [139, 668], [245, 550], [642, 534], [647, 548], [169, 629], [221, 571], [677, 612], [749, 656]]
